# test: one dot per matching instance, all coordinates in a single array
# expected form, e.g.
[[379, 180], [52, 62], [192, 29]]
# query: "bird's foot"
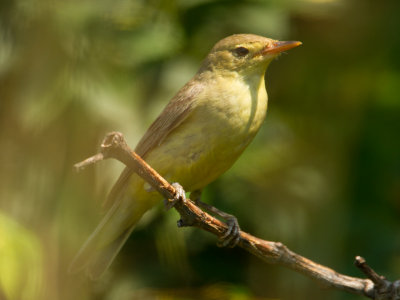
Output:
[[180, 195], [231, 237]]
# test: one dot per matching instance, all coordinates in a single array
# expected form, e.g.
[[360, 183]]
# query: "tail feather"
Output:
[[100, 263], [103, 245]]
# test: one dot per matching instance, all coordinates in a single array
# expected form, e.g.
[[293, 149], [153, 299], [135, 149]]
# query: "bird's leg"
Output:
[[232, 235], [179, 196]]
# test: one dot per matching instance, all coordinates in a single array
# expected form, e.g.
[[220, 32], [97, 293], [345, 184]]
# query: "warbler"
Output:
[[196, 138]]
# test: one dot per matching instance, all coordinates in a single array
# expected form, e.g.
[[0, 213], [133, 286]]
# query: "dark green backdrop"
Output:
[[322, 176]]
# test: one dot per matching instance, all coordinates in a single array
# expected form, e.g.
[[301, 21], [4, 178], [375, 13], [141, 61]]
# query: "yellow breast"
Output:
[[226, 117]]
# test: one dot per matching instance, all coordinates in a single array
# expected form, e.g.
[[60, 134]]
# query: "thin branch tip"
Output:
[[112, 140], [359, 260], [361, 263], [89, 161]]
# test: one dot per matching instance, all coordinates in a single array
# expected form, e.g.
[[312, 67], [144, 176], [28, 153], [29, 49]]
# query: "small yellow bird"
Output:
[[195, 139]]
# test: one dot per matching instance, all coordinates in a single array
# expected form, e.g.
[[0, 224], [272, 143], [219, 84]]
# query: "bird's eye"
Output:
[[241, 51]]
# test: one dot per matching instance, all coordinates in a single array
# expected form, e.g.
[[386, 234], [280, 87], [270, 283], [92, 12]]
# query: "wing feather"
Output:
[[176, 111]]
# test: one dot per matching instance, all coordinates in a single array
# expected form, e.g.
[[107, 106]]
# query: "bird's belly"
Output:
[[208, 142]]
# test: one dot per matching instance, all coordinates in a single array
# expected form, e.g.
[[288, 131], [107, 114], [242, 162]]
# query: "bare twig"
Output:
[[383, 288], [376, 287]]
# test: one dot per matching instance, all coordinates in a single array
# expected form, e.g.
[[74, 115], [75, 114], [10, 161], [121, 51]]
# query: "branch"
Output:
[[376, 287]]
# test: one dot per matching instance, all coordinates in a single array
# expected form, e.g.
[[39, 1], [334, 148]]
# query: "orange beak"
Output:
[[278, 47]]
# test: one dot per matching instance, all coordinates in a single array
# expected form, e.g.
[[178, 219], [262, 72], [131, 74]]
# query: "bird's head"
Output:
[[245, 53]]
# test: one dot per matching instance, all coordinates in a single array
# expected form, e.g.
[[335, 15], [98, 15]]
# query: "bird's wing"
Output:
[[177, 110]]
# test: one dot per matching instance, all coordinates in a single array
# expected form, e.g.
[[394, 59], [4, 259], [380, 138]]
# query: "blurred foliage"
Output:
[[322, 176], [19, 249]]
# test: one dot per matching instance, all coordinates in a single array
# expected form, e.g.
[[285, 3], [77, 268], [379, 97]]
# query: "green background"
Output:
[[322, 175]]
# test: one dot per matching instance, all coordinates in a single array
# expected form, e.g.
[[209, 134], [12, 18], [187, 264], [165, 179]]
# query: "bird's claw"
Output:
[[180, 195], [231, 236]]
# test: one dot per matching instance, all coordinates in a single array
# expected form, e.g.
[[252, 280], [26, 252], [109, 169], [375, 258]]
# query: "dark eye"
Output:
[[241, 51]]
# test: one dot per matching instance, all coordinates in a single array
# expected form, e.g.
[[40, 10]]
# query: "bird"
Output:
[[198, 136]]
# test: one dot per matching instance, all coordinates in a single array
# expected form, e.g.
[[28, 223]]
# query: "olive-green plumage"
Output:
[[196, 138]]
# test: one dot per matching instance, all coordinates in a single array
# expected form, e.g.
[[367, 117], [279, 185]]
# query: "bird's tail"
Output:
[[103, 245]]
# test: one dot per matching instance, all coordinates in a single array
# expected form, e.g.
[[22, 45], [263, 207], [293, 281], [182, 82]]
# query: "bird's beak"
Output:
[[280, 46]]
